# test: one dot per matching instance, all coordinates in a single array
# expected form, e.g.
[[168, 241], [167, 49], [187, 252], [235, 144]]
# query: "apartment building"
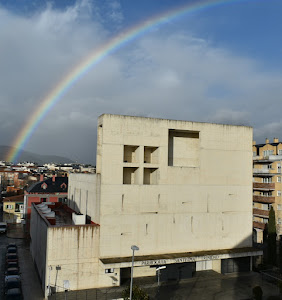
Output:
[[181, 191], [267, 185]]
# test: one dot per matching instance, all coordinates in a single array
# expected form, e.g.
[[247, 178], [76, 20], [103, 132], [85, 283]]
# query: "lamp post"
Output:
[[133, 248], [159, 273]]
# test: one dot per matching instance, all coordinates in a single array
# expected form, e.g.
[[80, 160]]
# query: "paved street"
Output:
[[30, 282]]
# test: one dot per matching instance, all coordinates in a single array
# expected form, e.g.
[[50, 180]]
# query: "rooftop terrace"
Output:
[[59, 214]]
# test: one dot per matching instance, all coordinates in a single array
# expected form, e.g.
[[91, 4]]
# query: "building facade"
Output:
[[267, 185], [181, 191], [13, 209]]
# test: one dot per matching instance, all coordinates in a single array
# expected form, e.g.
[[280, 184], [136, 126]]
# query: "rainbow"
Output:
[[93, 59]]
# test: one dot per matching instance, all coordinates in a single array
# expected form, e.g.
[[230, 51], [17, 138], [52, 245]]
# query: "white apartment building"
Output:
[[181, 191]]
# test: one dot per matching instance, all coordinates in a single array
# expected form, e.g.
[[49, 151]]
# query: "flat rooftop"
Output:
[[59, 214]]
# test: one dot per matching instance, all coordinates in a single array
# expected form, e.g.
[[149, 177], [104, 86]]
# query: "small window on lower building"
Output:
[[278, 178], [109, 270], [9, 206], [63, 200], [278, 206], [278, 193], [279, 221]]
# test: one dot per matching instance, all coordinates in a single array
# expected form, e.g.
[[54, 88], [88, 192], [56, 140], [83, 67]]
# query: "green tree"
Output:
[[271, 240], [137, 293]]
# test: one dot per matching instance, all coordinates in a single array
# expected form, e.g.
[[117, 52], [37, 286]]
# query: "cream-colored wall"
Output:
[[83, 194], [75, 250], [144, 271], [191, 208], [216, 265]]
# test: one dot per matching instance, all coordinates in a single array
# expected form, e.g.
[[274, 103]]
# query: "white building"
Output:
[[181, 191]]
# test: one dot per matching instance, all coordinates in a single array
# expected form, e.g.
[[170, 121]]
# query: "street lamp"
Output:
[[158, 270], [133, 248]]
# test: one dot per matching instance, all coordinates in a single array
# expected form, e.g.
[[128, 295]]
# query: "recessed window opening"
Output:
[[150, 176], [130, 154], [130, 175], [183, 148], [151, 155]]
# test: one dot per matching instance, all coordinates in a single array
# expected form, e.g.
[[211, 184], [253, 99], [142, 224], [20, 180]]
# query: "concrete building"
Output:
[[267, 185], [181, 191]]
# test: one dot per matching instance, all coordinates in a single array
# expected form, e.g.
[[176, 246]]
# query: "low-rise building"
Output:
[[64, 248], [13, 209]]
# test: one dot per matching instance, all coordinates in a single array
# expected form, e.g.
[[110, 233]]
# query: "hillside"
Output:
[[33, 157]]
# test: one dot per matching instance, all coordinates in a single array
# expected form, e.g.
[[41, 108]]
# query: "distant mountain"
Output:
[[32, 157]]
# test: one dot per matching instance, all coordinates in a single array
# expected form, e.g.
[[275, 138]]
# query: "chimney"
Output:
[[254, 143], [53, 178], [267, 141], [275, 140], [41, 177]]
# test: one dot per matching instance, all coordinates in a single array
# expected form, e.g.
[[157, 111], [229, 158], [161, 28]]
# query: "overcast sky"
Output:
[[222, 65]]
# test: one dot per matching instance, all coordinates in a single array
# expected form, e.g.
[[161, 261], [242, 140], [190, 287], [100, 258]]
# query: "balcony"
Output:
[[263, 199], [264, 186], [261, 212], [259, 225], [262, 171]]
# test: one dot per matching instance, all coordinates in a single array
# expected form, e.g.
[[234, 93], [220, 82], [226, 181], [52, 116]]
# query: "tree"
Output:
[[137, 293], [271, 240], [257, 293]]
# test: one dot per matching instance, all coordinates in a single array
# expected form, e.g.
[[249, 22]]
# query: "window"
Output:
[[278, 193], [63, 200], [278, 178], [130, 175], [150, 176], [43, 199], [109, 270], [267, 180], [279, 167], [279, 152], [130, 154], [9, 206], [279, 221], [254, 153], [267, 152], [278, 206], [17, 208], [150, 155]]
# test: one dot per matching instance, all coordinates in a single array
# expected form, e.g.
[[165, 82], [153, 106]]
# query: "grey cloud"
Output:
[[176, 76], [228, 116]]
